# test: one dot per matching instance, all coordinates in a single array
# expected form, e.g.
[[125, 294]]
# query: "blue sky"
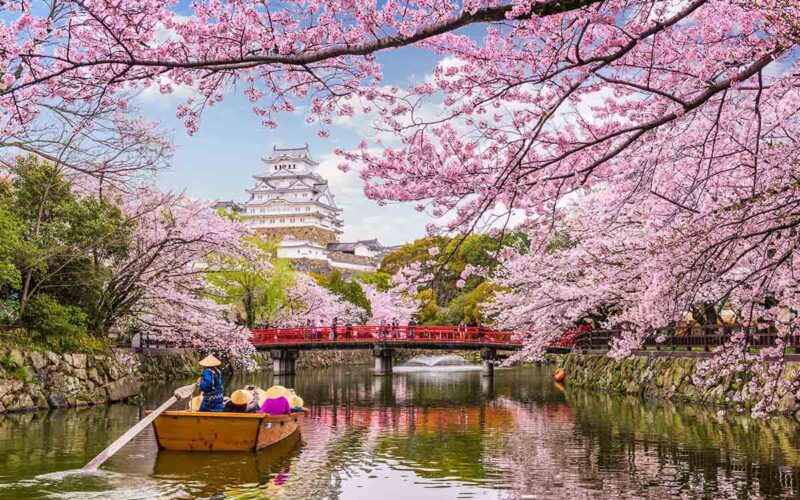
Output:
[[219, 161]]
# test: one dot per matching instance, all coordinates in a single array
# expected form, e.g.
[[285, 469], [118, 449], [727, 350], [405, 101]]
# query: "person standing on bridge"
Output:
[[312, 329], [482, 332], [332, 335], [412, 328], [382, 330]]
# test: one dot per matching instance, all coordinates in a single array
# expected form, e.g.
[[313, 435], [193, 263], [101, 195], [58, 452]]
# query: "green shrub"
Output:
[[16, 371], [49, 322]]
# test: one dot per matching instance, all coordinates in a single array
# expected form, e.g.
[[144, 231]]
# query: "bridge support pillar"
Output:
[[383, 360], [488, 356], [283, 361]]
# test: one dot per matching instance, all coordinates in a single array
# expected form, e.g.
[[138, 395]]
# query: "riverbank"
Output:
[[667, 377], [40, 380]]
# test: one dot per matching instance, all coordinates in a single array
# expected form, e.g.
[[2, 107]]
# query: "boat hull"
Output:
[[222, 431]]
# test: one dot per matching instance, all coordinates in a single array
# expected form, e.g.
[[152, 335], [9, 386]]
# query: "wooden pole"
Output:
[[180, 393]]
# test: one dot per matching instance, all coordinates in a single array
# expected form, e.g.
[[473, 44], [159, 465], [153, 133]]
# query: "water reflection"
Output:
[[423, 435]]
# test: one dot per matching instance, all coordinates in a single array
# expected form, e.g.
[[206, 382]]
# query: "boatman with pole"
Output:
[[210, 383]]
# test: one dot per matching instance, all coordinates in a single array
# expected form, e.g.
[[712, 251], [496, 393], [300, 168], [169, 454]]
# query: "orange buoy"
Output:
[[559, 375]]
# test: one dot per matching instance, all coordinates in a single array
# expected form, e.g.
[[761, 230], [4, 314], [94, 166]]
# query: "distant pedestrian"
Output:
[[348, 331], [395, 328], [462, 329], [382, 329], [412, 328], [312, 329], [335, 323]]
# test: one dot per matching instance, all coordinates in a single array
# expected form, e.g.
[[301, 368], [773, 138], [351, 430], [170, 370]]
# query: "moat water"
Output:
[[422, 434]]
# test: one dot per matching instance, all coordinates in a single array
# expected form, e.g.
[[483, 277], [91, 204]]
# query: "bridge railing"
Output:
[[373, 333], [690, 337]]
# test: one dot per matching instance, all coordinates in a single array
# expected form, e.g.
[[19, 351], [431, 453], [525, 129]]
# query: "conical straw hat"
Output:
[[277, 391], [210, 361], [241, 397], [296, 401]]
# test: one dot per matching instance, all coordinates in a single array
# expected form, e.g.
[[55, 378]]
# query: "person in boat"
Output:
[[242, 401], [210, 384], [276, 401]]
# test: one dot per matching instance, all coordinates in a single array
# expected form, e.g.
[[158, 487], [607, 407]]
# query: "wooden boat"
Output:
[[225, 469], [222, 431]]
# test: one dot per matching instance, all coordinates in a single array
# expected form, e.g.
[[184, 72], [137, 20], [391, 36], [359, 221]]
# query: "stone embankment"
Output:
[[36, 380], [329, 359], [40, 380], [665, 377]]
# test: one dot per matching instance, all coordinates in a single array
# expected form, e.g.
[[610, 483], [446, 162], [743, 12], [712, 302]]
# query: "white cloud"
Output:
[[365, 219], [179, 93]]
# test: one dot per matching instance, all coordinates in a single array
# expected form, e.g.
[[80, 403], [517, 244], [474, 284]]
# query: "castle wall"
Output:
[[308, 233]]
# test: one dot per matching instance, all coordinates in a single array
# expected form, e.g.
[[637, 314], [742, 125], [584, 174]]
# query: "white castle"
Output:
[[292, 203]]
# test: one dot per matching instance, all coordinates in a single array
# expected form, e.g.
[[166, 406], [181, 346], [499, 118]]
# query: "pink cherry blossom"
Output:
[[389, 305]]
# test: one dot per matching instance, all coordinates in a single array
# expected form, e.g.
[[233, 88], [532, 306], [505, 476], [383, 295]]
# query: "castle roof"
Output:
[[372, 244], [279, 154]]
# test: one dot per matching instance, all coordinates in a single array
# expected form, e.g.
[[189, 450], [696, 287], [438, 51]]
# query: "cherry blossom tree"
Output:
[[307, 300], [390, 304], [161, 289]]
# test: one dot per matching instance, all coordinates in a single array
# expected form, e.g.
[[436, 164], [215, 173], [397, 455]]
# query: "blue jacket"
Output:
[[211, 385]]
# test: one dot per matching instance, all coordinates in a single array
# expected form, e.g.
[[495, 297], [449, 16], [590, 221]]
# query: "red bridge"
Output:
[[284, 343]]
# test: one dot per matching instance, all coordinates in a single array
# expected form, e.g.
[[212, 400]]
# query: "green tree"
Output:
[[380, 280], [417, 251], [55, 252], [348, 290], [470, 306], [443, 302], [10, 245], [253, 285]]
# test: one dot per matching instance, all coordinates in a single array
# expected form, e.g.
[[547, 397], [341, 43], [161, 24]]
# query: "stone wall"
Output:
[[165, 365], [309, 360], [328, 359], [350, 258], [36, 380], [311, 266], [307, 233], [664, 377]]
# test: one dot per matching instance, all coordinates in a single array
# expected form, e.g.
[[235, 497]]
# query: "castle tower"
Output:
[[291, 202]]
